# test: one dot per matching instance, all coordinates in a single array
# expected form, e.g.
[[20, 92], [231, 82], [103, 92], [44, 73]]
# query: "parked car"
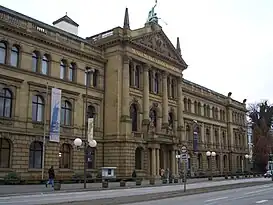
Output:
[[268, 174]]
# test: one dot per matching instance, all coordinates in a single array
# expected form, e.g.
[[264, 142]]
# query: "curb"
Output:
[[98, 189], [164, 195]]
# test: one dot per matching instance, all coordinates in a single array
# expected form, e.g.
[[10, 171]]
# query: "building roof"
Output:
[[67, 19]]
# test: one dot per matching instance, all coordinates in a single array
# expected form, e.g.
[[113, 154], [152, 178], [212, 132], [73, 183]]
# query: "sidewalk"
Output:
[[91, 196], [31, 189]]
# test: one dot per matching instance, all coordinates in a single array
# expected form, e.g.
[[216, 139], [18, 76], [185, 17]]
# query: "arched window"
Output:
[[216, 113], [134, 117], [205, 110], [208, 135], [185, 104], [45, 65], [3, 52], [66, 113], [189, 105], [91, 157], [199, 108], [200, 161], [238, 162], [138, 158], [71, 72], [131, 76], [65, 156], [150, 81], [195, 107], [35, 155], [217, 159], [171, 120], [35, 61], [95, 78], [5, 103], [188, 132], [153, 117], [224, 115], [37, 108], [213, 112], [137, 76], [216, 136], [208, 111], [172, 88], [62, 69], [225, 161], [91, 111], [5, 153], [156, 87], [14, 56], [224, 137]]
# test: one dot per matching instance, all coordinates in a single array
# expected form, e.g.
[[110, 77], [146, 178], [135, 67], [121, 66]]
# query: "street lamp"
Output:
[[210, 154], [78, 142]]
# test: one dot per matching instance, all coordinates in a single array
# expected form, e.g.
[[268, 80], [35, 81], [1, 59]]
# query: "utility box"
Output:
[[108, 173]]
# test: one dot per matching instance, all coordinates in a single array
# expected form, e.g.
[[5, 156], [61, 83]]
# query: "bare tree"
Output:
[[261, 117]]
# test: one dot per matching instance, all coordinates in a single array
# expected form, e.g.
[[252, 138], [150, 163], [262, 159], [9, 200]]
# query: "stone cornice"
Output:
[[58, 45], [50, 87], [49, 78], [13, 79]]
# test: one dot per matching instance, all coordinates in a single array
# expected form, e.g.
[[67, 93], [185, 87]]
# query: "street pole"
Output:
[[211, 167], [44, 135], [85, 129], [185, 176]]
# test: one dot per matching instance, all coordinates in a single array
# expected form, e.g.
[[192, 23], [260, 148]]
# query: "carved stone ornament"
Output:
[[157, 42], [135, 100], [155, 105], [6, 122]]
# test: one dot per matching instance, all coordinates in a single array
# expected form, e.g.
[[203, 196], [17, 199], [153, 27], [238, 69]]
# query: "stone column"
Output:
[[153, 162], [173, 162], [176, 163], [180, 120], [146, 92], [157, 162], [165, 101], [125, 87]]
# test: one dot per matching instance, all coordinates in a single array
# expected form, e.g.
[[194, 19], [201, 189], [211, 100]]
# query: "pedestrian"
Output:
[[51, 176]]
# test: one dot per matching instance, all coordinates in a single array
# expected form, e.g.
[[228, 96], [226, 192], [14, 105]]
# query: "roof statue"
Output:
[[152, 17]]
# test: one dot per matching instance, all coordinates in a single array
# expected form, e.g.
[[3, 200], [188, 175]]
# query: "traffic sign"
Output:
[[184, 157], [183, 149]]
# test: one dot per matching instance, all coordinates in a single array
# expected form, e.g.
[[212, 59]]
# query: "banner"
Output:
[[195, 139], [55, 119], [90, 129]]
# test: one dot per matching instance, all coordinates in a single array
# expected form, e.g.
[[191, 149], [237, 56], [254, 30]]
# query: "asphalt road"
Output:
[[88, 196], [242, 196]]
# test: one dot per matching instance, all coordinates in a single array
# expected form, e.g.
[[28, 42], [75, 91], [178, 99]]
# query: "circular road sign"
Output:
[[183, 149]]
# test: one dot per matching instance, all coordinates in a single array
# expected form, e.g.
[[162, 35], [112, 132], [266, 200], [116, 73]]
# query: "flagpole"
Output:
[[44, 137]]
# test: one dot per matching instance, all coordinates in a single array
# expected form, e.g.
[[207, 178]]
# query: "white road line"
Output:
[[258, 191], [216, 199], [262, 201]]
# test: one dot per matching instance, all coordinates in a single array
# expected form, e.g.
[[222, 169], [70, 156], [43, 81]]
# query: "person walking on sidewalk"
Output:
[[51, 176]]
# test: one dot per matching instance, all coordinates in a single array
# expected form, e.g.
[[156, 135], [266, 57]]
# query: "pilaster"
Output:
[[165, 101], [125, 114], [180, 120]]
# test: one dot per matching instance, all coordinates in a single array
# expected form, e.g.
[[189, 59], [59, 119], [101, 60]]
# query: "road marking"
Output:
[[216, 199], [262, 201], [258, 191]]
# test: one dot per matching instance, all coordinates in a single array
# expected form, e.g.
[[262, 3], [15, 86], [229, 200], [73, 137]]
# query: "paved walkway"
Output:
[[57, 197], [24, 189]]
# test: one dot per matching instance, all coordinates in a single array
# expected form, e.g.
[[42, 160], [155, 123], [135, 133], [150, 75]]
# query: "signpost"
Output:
[[184, 159]]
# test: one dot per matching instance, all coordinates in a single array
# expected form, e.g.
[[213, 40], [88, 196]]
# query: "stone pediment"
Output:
[[159, 42]]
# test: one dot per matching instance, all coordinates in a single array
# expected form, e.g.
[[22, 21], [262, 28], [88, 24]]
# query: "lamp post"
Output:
[[210, 155], [78, 142]]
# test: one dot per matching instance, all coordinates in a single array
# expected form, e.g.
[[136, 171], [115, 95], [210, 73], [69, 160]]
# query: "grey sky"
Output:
[[228, 44]]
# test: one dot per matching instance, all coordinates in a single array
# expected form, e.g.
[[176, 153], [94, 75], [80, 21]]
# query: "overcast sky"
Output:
[[228, 44]]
